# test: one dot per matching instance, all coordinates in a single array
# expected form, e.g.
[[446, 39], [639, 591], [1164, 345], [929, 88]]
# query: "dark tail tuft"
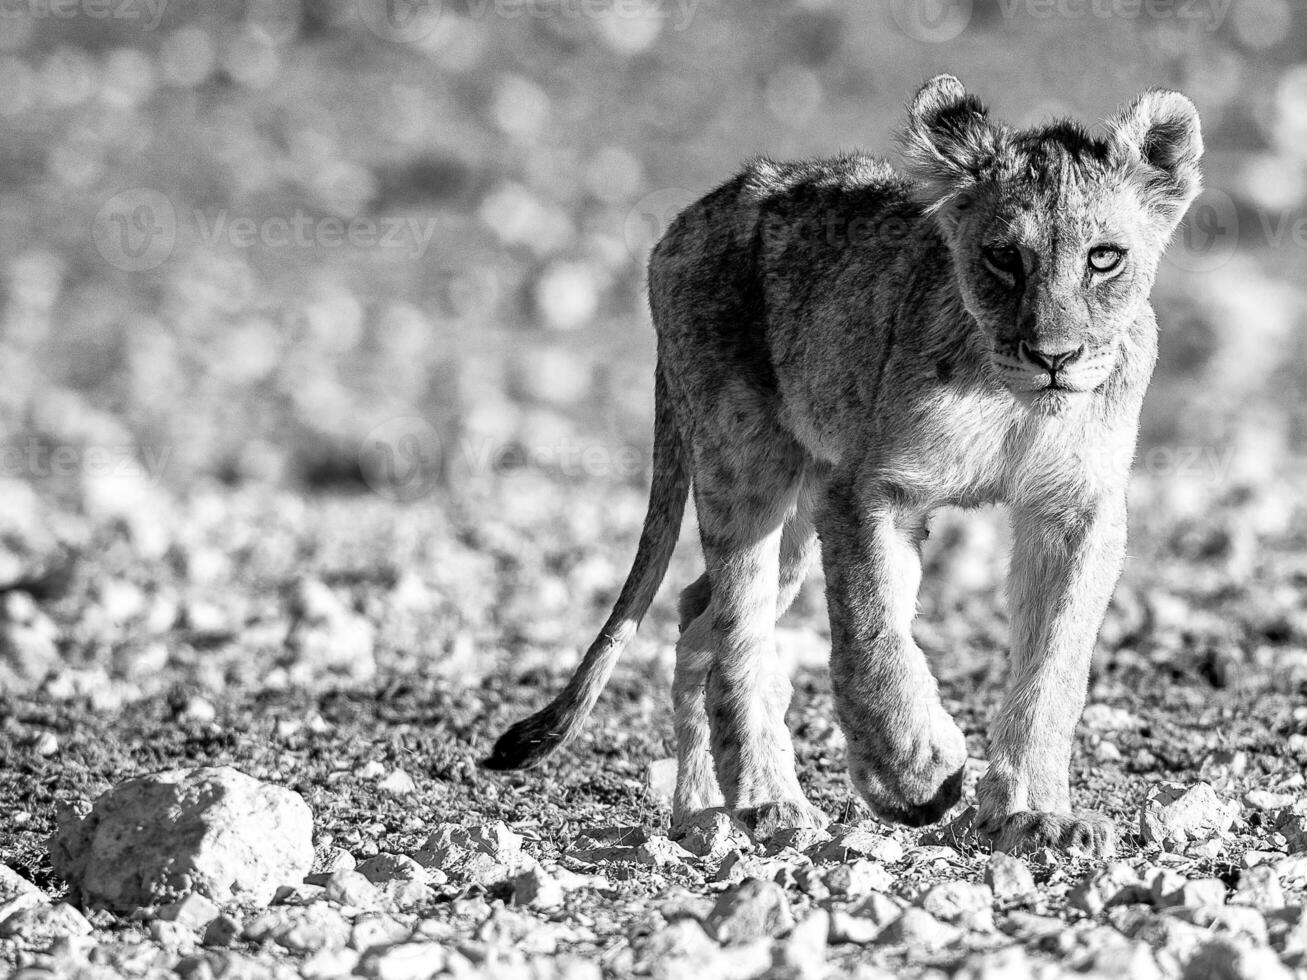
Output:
[[532, 740]]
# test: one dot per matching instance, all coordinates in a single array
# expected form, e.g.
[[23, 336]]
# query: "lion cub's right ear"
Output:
[[948, 143]]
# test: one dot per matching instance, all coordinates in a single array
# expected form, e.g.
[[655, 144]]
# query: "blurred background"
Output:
[[357, 288]]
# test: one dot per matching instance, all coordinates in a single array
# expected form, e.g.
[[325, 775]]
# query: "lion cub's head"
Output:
[[1055, 235]]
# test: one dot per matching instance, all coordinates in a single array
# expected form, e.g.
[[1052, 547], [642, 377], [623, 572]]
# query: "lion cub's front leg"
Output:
[[1064, 567], [905, 752]]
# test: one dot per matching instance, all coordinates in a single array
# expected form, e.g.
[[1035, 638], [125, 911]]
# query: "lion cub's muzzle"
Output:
[[1029, 369]]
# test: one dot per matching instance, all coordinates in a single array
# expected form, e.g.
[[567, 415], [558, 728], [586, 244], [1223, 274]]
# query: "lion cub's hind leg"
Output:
[[742, 509], [696, 778], [696, 781]]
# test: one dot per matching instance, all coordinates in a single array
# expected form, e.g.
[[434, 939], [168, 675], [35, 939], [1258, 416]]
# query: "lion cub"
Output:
[[841, 350]]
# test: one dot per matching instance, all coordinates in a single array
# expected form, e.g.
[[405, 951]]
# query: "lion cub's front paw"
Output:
[[1021, 833], [767, 819]]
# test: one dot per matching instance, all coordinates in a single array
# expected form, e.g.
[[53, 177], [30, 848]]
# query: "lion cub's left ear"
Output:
[[1161, 129], [949, 142]]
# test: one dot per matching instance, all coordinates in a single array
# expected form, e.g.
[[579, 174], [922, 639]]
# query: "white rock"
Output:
[[1265, 800], [17, 893], [192, 911], [213, 831], [329, 964], [1260, 888], [750, 910], [661, 852], [917, 927], [961, 902], [300, 928], [1117, 884], [405, 961], [848, 843], [713, 834], [1221, 959], [374, 930], [857, 878], [1009, 877], [878, 908], [39, 925], [538, 890], [803, 952], [1174, 813], [352, 889], [398, 783], [382, 868]]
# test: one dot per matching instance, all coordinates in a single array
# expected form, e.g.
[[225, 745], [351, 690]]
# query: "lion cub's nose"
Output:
[[1050, 361]]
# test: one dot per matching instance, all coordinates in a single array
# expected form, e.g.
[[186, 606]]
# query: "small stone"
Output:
[[856, 879], [398, 783], [750, 910], [326, 964], [1293, 827], [16, 892], [1010, 963], [1174, 813], [1259, 887], [846, 928], [660, 780], [713, 834], [1266, 801], [1200, 891], [802, 953], [1117, 884], [961, 902], [223, 931], [878, 908], [796, 838], [405, 961], [661, 853], [38, 926], [849, 843], [1009, 877], [538, 890], [376, 929], [193, 911], [352, 889], [46, 745], [385, 867], [1221, 959], [1239, 921], [372, 769], [917, 927], [172, 935], [300, 928], [155, 838], [328, 859]]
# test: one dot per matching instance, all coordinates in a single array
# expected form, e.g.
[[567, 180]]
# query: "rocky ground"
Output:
[[361, 656]]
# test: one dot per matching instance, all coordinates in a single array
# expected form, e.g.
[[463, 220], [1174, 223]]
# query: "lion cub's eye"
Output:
[[1105, 258], [1002, 258]]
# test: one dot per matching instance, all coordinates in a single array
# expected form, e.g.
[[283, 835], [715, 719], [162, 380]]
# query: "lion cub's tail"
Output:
[[532, 740]]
